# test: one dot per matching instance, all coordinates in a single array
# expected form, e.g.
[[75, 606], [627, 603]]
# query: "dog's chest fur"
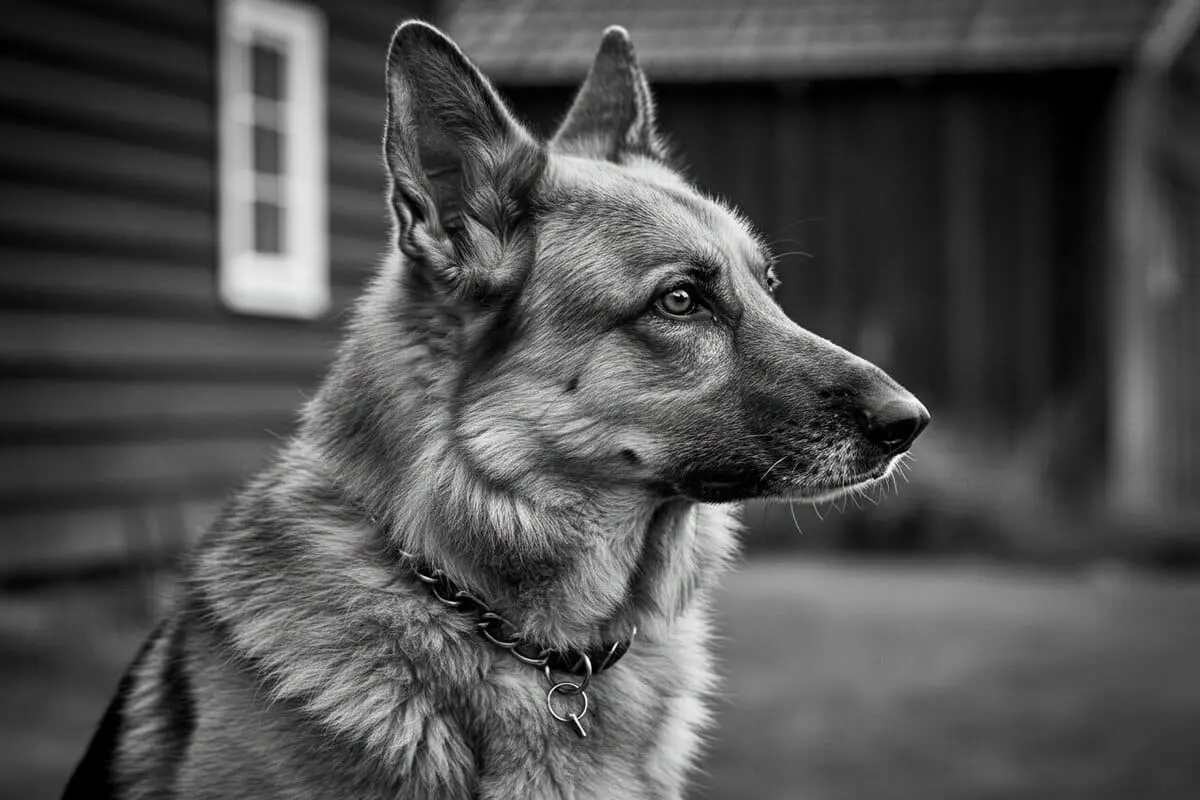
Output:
[[642, 725], [317, 671], [492, 739]]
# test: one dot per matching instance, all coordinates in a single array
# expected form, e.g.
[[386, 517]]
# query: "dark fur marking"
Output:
[[94, 777], [654, 344], [178, 705], [501, 334]]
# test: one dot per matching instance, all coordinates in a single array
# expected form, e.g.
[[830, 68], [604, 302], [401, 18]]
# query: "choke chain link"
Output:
[[507, 636]]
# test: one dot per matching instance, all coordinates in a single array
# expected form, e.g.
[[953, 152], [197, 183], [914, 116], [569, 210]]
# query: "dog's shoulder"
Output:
[[302, 640], [148, 724], [95, 777]]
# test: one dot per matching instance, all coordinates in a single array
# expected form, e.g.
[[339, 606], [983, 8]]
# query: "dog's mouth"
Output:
[[830, 492], [721, 490]]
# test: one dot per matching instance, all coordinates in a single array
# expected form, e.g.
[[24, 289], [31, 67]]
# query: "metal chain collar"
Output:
[[580, 665]]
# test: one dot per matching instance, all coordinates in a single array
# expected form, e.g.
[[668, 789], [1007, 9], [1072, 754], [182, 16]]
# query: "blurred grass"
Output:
[[907, 681], [841, 680], [62, 652]]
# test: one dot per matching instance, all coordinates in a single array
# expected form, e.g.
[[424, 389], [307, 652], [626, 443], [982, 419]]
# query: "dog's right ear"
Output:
[[613, 113], [460, 166]]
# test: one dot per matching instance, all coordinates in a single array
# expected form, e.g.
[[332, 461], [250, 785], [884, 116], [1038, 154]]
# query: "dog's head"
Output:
[[603, 322]]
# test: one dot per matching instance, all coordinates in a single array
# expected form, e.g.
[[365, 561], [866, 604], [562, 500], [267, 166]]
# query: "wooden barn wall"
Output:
[[132, 402], [948, 229], [949, 225]]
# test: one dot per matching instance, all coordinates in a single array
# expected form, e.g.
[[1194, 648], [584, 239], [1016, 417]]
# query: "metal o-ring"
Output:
[[561, 689]]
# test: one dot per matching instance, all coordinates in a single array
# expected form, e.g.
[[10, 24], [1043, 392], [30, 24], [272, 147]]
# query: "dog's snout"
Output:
[[893, 423]]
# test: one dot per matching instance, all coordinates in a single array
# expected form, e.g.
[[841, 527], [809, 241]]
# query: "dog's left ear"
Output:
[[460, 166], [613, 114]]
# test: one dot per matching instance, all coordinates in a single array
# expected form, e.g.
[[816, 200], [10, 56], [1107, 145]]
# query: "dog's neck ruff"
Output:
[[580, 665]]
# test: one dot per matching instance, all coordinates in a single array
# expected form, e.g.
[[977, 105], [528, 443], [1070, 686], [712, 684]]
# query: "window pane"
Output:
[[267, 71], [268, 227], [268, 151]]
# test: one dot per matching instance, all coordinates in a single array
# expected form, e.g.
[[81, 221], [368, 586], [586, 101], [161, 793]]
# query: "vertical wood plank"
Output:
[[795, 201], [962, 195], [1033, 273]]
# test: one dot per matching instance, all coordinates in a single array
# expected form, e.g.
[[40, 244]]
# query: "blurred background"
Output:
[[996, 200]]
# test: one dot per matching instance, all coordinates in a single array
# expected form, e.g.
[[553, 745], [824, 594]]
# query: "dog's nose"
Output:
[[894, 423]]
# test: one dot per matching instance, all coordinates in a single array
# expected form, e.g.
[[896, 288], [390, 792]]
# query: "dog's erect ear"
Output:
[[460, 166], [613, 114]]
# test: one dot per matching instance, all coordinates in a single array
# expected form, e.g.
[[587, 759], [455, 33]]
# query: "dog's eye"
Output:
[[678, 302]]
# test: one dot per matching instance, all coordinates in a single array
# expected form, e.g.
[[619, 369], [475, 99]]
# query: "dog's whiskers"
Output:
[[773, 466], [796, 522]]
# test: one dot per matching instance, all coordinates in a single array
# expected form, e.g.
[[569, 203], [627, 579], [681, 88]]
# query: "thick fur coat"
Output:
[[555, 390]]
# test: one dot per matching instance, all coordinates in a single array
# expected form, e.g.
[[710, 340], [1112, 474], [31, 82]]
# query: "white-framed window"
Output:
[[274, 238]]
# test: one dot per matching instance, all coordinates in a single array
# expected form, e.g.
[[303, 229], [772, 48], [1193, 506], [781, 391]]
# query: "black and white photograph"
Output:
[[616, 399]]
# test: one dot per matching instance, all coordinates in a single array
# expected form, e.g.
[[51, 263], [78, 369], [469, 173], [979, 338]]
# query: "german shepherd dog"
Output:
[[481, 566]]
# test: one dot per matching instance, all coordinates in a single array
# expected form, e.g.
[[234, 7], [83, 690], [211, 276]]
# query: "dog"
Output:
[[481, 567]]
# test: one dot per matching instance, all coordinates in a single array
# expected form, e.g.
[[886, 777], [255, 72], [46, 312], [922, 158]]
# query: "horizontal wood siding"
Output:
[[948, 229], [132, 401]]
